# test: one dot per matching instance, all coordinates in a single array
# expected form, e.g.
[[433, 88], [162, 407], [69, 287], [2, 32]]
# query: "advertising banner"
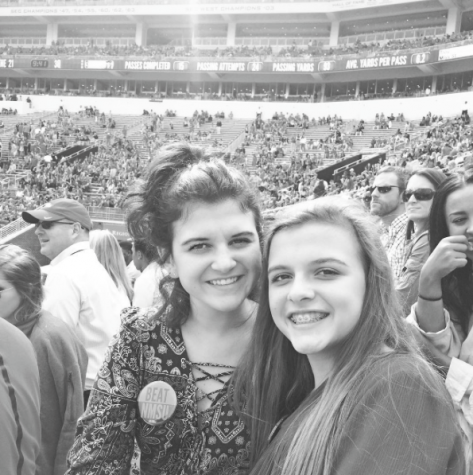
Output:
[[456, 53]]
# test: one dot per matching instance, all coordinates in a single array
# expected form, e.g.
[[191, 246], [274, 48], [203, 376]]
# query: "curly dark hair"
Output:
[[182, 174]]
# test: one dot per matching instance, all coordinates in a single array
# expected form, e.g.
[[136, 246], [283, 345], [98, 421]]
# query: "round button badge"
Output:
[[157, 402]]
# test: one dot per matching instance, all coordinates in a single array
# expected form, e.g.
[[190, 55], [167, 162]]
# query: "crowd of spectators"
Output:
[[200, 129], [113, 167], [112, 170], [108, 172], [360, 47], [444, 144], [8, 96], [282, 164], [309, 50], [35, 148], [273, 141], [8, 111]]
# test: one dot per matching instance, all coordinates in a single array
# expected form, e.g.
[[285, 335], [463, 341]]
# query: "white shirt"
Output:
[[79, 290], [453, 342], [146, 290], [133, 272]]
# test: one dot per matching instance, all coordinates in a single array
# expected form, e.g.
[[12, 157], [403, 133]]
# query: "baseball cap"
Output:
[[62, 208]]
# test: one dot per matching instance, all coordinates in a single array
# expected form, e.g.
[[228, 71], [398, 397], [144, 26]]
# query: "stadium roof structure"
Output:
[[52, 20], [333, 10]]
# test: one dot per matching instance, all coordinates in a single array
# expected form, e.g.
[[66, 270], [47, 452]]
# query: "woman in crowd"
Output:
[[20, 437], [204, 218], [418, 197], [62, 360], [444, 310], [146, 291], [110, 255], [333, 378]]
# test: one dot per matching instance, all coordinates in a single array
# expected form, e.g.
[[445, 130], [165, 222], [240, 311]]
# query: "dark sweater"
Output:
[[62, 362], [401, 425], [20, 430]]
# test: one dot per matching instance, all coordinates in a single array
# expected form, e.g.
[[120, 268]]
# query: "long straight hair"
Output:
[[435, 177], [22, 270], [273, 379], [110, 255], [457, 286]]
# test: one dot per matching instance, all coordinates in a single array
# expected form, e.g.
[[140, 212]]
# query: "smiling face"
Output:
[[459, 214], [216, 255], [55, 239], [418, 211], [10, 299], [316, 287]]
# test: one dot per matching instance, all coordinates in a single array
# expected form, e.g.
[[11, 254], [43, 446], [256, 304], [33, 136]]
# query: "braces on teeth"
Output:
[[306, 318]]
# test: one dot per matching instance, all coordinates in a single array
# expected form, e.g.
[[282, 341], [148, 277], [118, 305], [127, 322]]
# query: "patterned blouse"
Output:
[[212, 442]]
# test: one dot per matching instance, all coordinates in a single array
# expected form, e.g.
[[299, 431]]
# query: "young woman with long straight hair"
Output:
[[204, 218], [110, 255], [418, 197], [333, 381], [61, 357], [444, 311]]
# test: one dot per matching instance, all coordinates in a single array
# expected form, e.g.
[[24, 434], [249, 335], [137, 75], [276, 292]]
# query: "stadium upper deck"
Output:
[[123, 47]]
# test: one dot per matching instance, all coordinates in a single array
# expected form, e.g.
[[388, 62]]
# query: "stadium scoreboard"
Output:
[[39, 63], [341, 63]]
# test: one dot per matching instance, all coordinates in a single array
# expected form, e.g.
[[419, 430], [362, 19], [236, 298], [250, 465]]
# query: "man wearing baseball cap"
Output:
[[78, 289]]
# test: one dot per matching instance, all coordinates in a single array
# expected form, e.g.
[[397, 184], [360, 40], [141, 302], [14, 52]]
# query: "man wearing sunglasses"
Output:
[[78, 289], [387, 203]]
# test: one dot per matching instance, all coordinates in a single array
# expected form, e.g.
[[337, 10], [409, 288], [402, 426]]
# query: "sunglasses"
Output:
[[421, 194], [383, 189], [49, 224]]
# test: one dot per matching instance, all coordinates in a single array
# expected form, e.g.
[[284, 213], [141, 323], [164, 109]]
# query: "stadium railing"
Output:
[[13, 228], [107, 214]]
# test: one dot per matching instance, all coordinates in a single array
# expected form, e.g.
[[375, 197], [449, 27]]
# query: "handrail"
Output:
[[107, 214], [12, 228]]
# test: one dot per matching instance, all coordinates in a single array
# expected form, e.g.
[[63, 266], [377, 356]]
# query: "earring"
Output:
[[170, 270]]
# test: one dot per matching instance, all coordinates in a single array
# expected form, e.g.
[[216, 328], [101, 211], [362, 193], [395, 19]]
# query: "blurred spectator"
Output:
[[78, 288], [62, 360], [127, 250], [443, 315], [146, 290], [109, 254], [418, 197], [387, 203], [20, 434], [311, 50]]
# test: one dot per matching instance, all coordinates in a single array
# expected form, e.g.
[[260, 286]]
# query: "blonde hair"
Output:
[[110, 255]]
